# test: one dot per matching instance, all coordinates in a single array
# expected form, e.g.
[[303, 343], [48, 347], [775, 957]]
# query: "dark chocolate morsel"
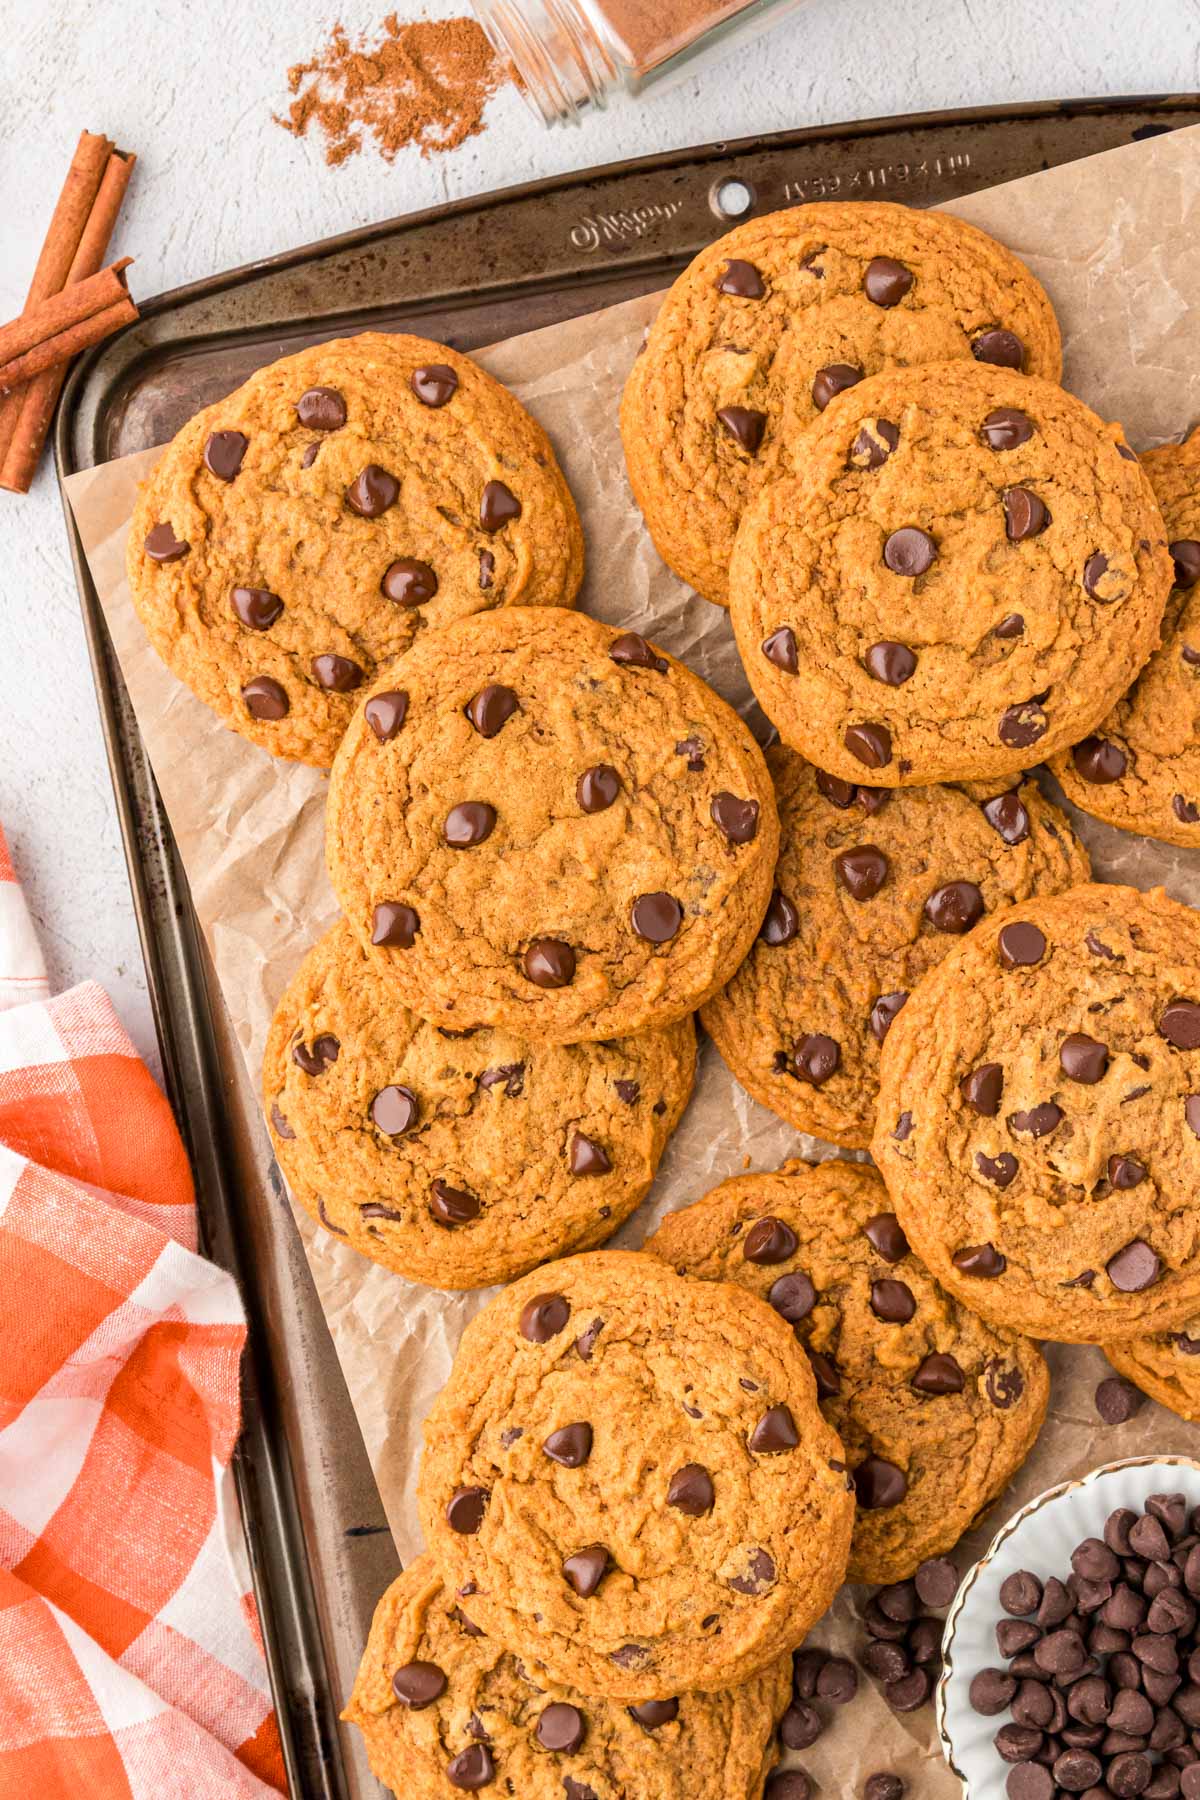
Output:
[[740, 279], [386, 713], [394, 924], [266, 698], [409, 582], [498, 507], [223, 453], [833, 379], [321, 409], [434, 384], [1002, 348]]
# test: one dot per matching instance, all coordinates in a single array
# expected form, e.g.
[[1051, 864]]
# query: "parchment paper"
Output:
[[1116, 241]]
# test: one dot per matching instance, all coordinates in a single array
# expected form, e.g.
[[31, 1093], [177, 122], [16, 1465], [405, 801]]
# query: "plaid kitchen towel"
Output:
[[130, 1662]]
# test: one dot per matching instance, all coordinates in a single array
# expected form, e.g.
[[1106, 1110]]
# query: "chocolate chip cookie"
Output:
[[1165, 1365], [543, 823], [772, 321], [936, 1409], [1140, 768], [627, 1476], [443, 1708], [872, 888], [965, 571], [459, 1159], [1039, 1116], [300, 534]]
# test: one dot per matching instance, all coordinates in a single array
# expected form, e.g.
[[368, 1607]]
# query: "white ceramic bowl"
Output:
[[1040, 1537]]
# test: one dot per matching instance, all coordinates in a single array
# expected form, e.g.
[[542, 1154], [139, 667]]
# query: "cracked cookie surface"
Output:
[[873, 886], [937, 1410], [965, 571], [1166, 1366], [442, 1707], [551, 826], [300, 534], [1140, 769], [775, 318], [1039, 1116], [631, 1472], [459, 1160]]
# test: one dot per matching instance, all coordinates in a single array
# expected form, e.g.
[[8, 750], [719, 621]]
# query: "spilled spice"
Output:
[[424, 82]]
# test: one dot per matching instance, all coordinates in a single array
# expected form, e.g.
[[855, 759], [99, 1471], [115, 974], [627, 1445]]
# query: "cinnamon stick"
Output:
[[61, 313], [39, 398], [53, 351], [71, 215]]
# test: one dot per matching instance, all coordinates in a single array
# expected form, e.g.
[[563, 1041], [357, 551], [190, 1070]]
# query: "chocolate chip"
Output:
[[1060, 1653], [543, 1317], [1186, 811], [781, 922], [386, 713], [780, 648], [452, 1206], [936, 1581], [1186, 555], [586, 1157], [801, 1725], [982, 1088], [862, 871], [837, 1681], [395, 1110], [990, 1691], [886, 1236], [1180, 1024], [909, 551], [758, 1577], [487, 568], [744, 425], [1082, 1059], [394, 924], [418, 1684], [1006, 427], [465, 1510], [586, 1569], [1012, 625], [1023, 725], [652, 1714], [890, 663], [1020, 1593], [409, 582], [1129, 1775], [311, 452], [788, 1784], [469, 823], [632, 651], [1095, 569], [884, 1786], [578, 1790], [737, 819], [336, 674], [1076, 1770], [1126, 1171], [910, 1692], [899, 1600], [561, 1727], [570, 1446], [904, 1125], [769, 1241], [498, 506], [372, 491], [690, 1491], [874, 444], [321, 409], [774, 1433], [1018, 1743], [1002, 348], [223, 453], [870, 744], [597, 788], [265, 698], [322, 1055], [1004, 1386], [939, 1374], [886, 281], [983, 1261], [833, 379], [1098, 760], [1038, 1122], [282, 1128], [1191, 1112], [879, 1483], [1002, 1169], [793, 1296], [886, 1008], [656, 918], [955, 907], [472, 1768], [585, 1343], [1134, 1268], [434, 384], [741, 279], [815, 1058], [1025, 514], [892, 1301], [549, 963], [1021, 945]]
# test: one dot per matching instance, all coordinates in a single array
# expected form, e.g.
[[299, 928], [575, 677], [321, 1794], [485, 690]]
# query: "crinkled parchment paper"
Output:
[[1116, 240]]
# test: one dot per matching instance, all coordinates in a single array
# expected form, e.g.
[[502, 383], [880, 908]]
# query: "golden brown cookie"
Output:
[[1141, 768], [936, 1409], [459, 1159], [1166, 1366], [766, 325], [300, 534], [443, 1708], [873, 886], [543, 823], [627, 1476], [965, 571], [1039, 1116]]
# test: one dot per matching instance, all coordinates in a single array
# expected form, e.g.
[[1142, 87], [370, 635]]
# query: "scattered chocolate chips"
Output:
[[891, 663], [409, 582], [769, 1241], [793, 1296], [468, 824], [1002, 348], [549, 963], [1025, 514], [434, 384], [886, 281], [597, 788], [586, 1569], [736, 819], [779, 647], [909, 552], [265, 698], [1006, 428], [744, 425], [892, 1301], [256, 608], [874, 444], [815, 1058], [1117, 1400], [740, 279], [1134, 1268], [336, 674], [418, 1684], [569, 1446], [372, 492], [652, 1714], [955, 907], [394, 925], [465, 1510], [1021, 945], [1185, 553], [690, 1491], [983, 1261], [632, 651], [939, 1374], [1081, 1058], [1007, 815], [774, 1433], [656, 918], [321, 409], [1012, 625], [472, 1768], [885, 1009], [561, 1727], [395, 1110], [1038, 1122], [861, 871], [1023, 725], [1000, 1170], [780, 921], [870, 744], [885, 1234], [452, 1206], [833, 379], [223, 453], [543, 1317], [1180, 1024], [759, 1575], [879, 1484], [982, 1088], [386, 713], [586, 1157], [1099, 761], [498, 507], [318, 1057]]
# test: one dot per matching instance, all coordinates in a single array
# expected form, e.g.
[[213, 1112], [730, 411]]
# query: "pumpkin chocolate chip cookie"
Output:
[[1039, 1116], [459, 1159], [627, 1475], [542, 823], [873, 886], [965, 571], [1166, 1366], [768, 324], [1140, 769], [299, 534], [936, 1409], [443, 1709]]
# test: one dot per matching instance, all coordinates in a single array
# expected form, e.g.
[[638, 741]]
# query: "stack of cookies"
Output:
[[553, 844]]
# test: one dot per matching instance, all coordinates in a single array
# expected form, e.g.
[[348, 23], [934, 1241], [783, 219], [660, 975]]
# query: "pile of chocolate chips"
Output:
[[1103, 1676]]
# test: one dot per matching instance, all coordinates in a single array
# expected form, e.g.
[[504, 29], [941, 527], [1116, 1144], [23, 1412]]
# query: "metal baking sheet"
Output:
[[466, 274]]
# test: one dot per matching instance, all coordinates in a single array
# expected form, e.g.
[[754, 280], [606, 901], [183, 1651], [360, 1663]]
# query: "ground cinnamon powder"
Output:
[[424, 82]]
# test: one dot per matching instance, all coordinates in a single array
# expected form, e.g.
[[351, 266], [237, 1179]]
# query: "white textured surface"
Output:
[[191, 88]]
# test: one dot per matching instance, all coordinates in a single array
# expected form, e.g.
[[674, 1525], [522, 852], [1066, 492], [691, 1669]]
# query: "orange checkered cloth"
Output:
[[130, 1662]]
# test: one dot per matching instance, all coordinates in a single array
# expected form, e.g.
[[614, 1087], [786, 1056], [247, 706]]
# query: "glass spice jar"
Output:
[[572, 54]]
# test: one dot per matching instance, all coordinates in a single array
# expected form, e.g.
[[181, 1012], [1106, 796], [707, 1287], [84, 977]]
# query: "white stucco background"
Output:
[[191, 88]]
